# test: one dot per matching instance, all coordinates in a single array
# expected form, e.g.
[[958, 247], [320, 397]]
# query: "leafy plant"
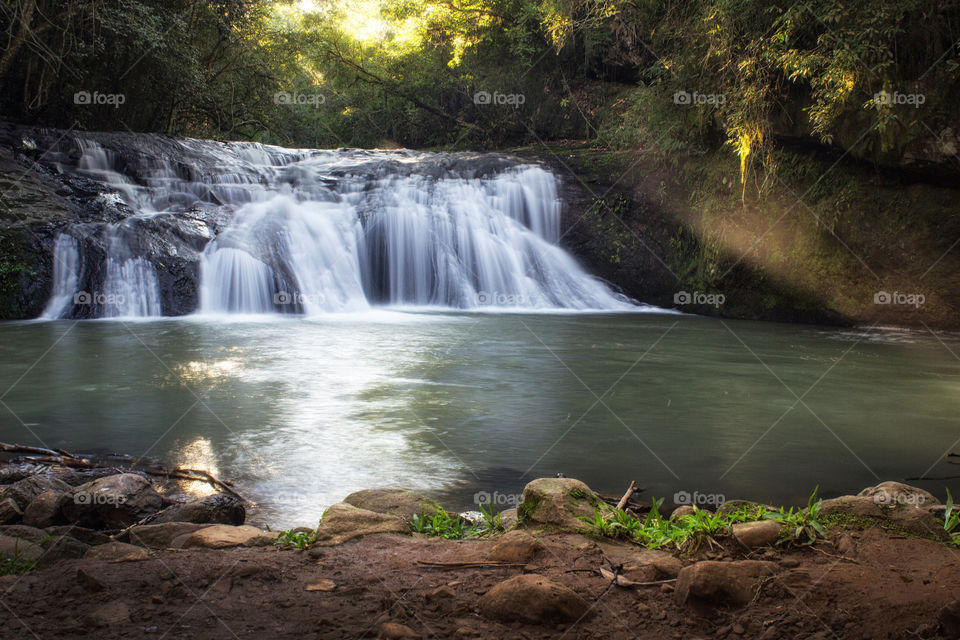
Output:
[[951, 520], [15, 564], [452, 526], [803, 525], [298, 539]]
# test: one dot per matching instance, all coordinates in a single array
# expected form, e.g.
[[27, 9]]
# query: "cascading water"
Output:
[[321, 231]]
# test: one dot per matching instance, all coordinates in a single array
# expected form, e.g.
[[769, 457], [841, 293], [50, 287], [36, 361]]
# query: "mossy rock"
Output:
[[558, 503], [403, 503]]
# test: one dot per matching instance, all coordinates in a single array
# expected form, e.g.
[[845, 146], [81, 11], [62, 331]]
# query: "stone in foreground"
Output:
[[116, 552], [533, 599], [558, 502], [344, 522], [515, 546], [722, 582], [757, 534], [221, 536]]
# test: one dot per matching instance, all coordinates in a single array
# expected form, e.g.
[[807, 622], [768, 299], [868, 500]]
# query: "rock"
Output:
[[757, 534], [856, 506], [77, 477], [116, 552], [916, 521], [113, 502], [402, 503], [949, 618], [321, 585], [722, 582], [395, 631], [9, 511], [533, 599], [214, 509], [897, 493], [160, 536], [24, 491], [45, 510], [86, 536], [20, 548], [558, 502], [683, 510], [515, 546], [508, 518], [63, 548], [37, 536], [220, 536], [109, 614], [343, 522], [265, 539], [89, 582], [896, 517], [649, 564]]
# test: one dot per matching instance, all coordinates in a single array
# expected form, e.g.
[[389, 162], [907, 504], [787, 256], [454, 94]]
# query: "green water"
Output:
[[300, 412]]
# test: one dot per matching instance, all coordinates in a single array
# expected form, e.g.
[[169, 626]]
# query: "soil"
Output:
[[885, 587]]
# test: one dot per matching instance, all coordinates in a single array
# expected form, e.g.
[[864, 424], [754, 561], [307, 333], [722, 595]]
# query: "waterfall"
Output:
[[310, 232]]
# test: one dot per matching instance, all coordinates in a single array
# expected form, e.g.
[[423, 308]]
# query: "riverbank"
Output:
[[393, 564]]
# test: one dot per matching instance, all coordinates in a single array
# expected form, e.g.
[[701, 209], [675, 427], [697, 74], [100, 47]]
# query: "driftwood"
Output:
[[624, 582], [626, 496], [50, 457]]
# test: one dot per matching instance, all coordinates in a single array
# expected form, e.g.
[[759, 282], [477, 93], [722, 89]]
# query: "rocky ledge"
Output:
[[110, 553]]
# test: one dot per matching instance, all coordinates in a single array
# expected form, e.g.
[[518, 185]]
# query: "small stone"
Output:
[[395, 631], [757, 534], [789, 563], [515, 546], [117, 552], [9, 511], [321, 585], [157, 599], [738, 629], [109, 614], [221, 536]]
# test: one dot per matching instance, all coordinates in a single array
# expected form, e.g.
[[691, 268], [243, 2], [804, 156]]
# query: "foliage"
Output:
[[951, 520], [15, 564], [803, 526], [451, 526], [298, 539]]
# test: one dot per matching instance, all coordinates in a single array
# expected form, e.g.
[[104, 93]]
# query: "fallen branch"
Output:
[[626, 496], [469, 564], [624, 582]]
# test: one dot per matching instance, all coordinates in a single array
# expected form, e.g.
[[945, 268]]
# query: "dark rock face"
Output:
[[24, 491], [113, 502], [214, 509]]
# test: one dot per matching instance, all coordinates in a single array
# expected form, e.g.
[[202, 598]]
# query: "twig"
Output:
[[626, 496], [469, 564]]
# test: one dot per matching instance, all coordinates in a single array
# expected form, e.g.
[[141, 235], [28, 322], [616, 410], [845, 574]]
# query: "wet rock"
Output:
[[160, 536], [87, 536], [558, 502], [515, 546], [214, 509], [949, 618], [343, 522], [20, 548], [757, 534], [221, 536], [402, 503], [113, 502], [63, 548], [22, 531], [533, 599], [45, 510], [897, 493], [116, 552], [109, 614], [722, 582], [24, 491], [9, 511], [395, 631]]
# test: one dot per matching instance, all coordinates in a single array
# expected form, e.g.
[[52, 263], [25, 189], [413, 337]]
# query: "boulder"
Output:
[[213, 509], [893, 516], [113, 502], [37, 536], [915, 521], [533, 599], [856, 506], [116, 552], [160, 536], [86, 536], [559, 503], [757, 534], [20, 548], [515, 546], [9, 511], [45, 510], [63, 548], [342, 522], [221, 536], [722, 582], [897, 493], [24, 491], [403, 503]]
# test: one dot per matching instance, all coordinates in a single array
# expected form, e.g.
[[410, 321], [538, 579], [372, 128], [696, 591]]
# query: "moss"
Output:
[[849, 522]]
